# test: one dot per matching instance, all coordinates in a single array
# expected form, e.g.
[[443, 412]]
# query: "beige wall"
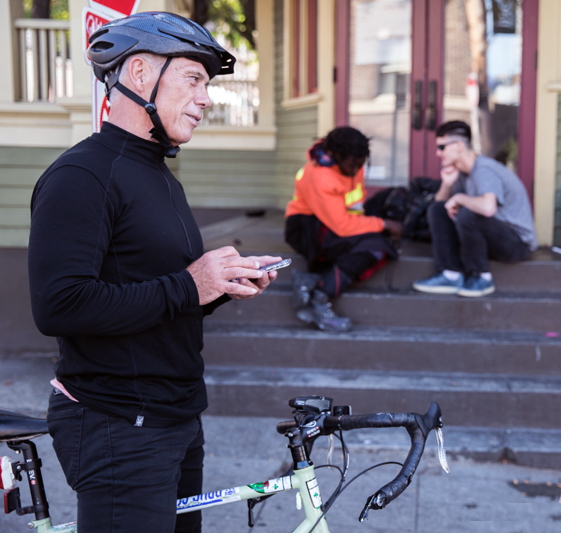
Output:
[[221, 167], [548, 88]]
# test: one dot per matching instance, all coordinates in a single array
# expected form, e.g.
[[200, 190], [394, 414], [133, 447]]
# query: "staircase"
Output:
[[493, 363]]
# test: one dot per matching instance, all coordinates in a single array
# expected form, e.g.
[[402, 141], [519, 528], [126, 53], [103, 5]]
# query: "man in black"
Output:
[[118, 275]]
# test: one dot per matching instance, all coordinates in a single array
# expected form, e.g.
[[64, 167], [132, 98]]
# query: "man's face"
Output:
[[349, 165], [182, 96], [448, 150]]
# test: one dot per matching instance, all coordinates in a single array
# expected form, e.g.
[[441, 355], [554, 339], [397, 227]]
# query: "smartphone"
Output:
[[276, 266]]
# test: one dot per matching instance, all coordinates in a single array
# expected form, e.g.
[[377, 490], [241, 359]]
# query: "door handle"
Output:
[[417, 112], [430, 111]]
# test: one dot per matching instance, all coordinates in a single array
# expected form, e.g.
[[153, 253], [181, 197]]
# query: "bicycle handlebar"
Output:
[[418, 426]]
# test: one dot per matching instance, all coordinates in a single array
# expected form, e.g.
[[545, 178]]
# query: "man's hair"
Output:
[[346, 141], [455, 128]]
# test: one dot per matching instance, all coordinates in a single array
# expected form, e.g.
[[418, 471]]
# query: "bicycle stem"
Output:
[[297, 449]]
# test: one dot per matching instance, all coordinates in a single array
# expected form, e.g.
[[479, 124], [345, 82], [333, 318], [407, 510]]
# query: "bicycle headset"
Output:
[[160, 33]]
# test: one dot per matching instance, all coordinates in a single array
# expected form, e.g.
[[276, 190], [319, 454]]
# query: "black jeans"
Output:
[[467, 243], [339, 260], [127, 478]]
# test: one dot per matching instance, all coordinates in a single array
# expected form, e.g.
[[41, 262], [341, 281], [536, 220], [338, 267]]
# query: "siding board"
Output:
[[14, 217]]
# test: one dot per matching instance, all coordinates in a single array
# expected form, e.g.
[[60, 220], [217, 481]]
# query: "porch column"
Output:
[[10, 86]]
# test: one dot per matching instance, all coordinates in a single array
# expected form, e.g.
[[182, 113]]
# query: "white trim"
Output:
[[554, 86], [232, 138], [35, 125], [61, 126], [548, 85], [307, 100]]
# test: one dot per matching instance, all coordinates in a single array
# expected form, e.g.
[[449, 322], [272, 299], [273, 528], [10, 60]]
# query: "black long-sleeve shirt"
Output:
[[111, 236]]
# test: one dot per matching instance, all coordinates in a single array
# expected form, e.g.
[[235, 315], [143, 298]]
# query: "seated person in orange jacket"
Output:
[[325, 222]]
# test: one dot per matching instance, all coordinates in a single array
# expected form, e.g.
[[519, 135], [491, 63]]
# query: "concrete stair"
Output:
[[493, 363]]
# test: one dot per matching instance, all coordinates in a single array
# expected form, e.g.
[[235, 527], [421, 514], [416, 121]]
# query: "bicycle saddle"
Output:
[[14, 426]]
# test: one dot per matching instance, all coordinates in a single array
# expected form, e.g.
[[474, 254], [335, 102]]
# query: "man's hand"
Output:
[[259, 284], [449, 175], [452, 206], [394, 228], [485, 205], [214, 271]]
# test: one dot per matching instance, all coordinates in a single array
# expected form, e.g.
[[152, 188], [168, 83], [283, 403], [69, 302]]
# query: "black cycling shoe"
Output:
[[303, 283], [319, 313]]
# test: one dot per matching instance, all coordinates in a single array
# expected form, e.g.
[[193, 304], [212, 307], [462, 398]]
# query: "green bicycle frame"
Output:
[[46, 526], [304, 480]]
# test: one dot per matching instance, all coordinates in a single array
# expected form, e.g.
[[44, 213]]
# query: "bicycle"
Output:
[[313, 416]]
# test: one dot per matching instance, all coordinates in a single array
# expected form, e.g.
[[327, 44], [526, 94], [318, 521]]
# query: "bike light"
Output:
[[7, 478]]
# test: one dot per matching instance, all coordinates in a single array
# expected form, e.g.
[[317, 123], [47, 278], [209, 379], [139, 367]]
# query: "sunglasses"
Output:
[[441, 147]]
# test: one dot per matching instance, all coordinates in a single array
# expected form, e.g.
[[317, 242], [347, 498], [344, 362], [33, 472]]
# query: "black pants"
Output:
[[127, 478], [467, 243], [339, 260]]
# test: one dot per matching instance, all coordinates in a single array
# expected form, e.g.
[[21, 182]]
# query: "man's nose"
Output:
[[203, 98]]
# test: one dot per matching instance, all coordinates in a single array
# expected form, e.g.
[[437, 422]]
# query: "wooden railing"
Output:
[[45, 62], [234, 103], [45, 66]]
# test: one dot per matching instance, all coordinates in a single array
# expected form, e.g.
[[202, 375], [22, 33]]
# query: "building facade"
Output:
[[393, 68]]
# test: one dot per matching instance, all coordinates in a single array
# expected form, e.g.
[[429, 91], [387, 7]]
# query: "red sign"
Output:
[[118, 8], [103, 11], [91, 21]]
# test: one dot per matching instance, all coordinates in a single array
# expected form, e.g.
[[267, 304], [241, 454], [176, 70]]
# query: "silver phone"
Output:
[[276, 266]]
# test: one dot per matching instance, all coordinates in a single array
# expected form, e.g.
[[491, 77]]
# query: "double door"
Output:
[[413, 64]]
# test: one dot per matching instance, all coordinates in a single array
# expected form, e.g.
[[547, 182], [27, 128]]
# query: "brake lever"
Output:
[[376, 501], [441, 450]]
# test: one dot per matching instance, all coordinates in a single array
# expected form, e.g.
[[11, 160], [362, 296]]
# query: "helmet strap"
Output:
[[158, 132]]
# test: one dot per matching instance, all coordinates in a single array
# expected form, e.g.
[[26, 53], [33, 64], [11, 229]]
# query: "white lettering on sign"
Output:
[[115, 8]]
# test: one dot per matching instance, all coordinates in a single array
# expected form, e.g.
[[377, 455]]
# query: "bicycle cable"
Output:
[[347, 484], [343, 472]]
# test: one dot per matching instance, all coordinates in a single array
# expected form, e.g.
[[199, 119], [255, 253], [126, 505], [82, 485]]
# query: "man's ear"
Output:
[[139, 74]]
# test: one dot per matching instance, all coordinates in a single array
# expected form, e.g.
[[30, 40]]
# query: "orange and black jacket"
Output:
[[335, 199]]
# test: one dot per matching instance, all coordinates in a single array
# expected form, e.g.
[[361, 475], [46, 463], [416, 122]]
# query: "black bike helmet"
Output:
[[160, 33]]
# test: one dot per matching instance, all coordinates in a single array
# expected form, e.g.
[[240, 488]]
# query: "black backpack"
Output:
[[406, 205]]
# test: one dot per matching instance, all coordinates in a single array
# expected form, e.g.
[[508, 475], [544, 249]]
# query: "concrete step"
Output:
[[525, 311], [384, 349], [527, 276], [538, 448], [264, 235], [469, 400], [543, 273]]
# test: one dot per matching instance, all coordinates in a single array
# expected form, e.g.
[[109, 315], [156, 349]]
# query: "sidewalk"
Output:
[[476, 497], [473, 498]]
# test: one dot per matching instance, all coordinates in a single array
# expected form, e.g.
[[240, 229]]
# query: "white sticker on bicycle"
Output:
[[209, 499], [313, 491], [272, 485], [70, 527]]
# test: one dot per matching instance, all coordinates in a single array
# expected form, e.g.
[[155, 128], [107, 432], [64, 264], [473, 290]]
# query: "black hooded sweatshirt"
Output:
[[111, 236]]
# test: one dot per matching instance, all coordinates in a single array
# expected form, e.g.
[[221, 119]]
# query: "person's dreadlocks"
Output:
[[346, 141]]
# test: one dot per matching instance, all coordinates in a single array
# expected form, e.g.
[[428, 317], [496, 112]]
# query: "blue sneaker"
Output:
[[476, 286], [439, 284]]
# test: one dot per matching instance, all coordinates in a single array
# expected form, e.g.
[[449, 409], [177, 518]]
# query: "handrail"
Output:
[[42, 24]]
